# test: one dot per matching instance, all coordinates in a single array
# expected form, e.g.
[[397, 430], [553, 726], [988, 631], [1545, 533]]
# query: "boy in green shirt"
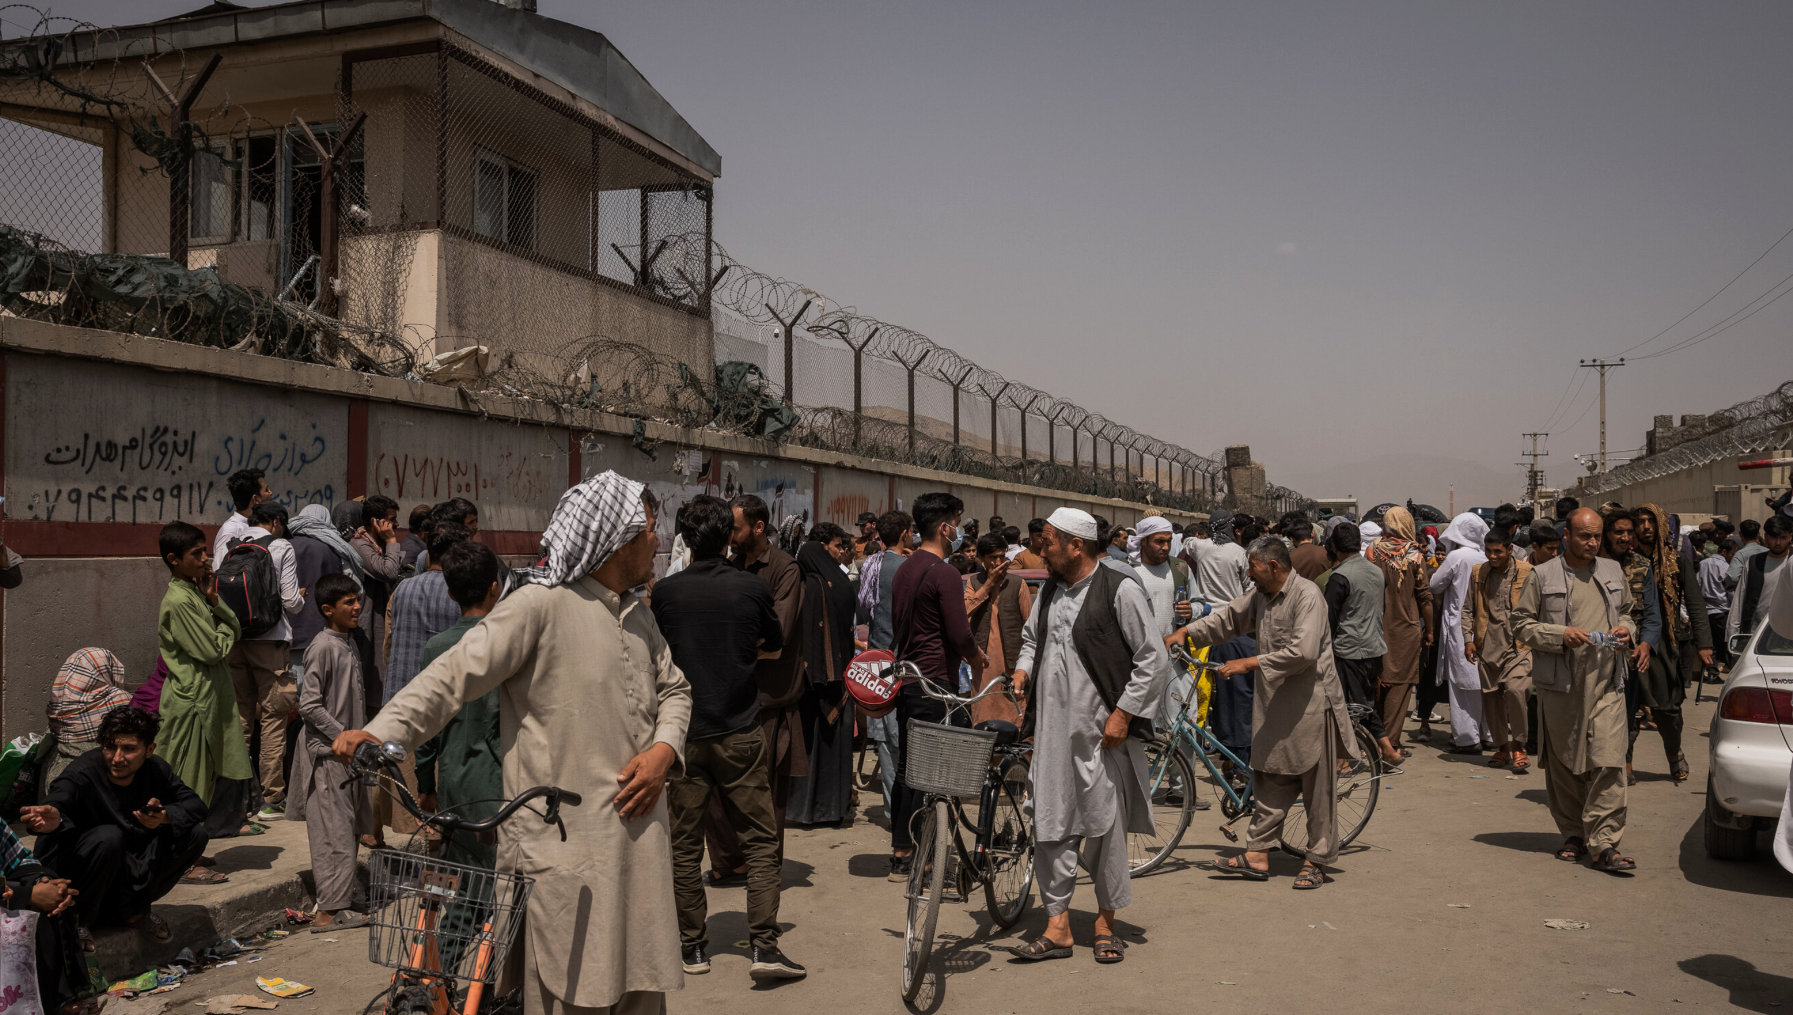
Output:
[[460, 769], [201, 739]]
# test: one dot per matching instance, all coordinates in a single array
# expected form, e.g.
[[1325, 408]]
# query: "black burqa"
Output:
[[825, 795]]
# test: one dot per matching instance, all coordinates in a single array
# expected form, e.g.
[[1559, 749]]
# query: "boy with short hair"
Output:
[[201, 739], [331, 701], [460, 769]]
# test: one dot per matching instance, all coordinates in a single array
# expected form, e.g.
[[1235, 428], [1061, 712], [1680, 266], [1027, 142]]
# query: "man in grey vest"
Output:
[[1093, 670], [1354, 603], [1581, 690], [1298, 725]]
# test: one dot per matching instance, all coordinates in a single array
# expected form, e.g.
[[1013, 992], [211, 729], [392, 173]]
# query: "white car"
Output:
[[1752, 746]]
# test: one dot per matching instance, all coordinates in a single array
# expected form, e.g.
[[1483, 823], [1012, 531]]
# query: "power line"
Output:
[[1559, 398], [1568, 406], [1709, 299], [1728, 323]]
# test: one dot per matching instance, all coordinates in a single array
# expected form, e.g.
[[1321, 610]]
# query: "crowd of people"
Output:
[[697, 697]]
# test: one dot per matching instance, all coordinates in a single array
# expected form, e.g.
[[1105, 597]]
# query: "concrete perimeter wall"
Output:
[[106, 437]]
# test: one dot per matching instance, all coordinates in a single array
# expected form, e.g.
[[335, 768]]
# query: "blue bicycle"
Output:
[[1177, 788]]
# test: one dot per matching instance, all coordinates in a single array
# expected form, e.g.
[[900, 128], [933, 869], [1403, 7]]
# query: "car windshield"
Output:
[[1772, 643]]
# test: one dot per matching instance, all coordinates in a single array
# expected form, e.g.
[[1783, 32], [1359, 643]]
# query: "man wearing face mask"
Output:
[[930, 629]]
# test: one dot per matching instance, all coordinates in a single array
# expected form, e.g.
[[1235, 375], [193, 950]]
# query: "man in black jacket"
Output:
[[120, 825]]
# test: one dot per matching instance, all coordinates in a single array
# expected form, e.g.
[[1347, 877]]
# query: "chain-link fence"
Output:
[[410, 200]]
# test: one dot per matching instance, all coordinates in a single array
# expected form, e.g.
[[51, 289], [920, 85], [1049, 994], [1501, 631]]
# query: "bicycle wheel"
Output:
[[1359, 783], [1008, 864], [1173, 787], [927, 883]]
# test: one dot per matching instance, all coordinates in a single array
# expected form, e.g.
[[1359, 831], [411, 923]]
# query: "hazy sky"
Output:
[[1369, 239]]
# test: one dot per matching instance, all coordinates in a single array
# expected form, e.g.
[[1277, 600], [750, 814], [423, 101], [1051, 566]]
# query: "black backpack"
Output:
[[249, 584]]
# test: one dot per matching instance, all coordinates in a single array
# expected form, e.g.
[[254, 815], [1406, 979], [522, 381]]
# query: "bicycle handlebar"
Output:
[[371, 759], [1182, 657], [911, 673]]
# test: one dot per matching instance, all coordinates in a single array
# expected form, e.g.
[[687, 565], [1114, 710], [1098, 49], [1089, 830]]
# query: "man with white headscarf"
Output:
[[1167, 582], [1093, 670], [589, 700], [1450, 587]]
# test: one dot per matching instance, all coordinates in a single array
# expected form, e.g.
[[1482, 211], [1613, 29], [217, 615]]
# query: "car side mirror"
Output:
[[1738, 643]]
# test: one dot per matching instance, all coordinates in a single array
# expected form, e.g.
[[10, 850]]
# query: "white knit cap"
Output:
[[1073, 522]]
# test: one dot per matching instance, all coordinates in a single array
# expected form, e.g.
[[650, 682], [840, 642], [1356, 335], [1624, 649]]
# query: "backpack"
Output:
[[249, 584]]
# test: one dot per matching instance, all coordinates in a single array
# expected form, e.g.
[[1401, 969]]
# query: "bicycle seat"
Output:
[[1006, 732]]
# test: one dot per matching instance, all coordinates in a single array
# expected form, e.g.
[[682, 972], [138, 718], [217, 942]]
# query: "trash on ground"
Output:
[[1618, 990], [275, 935], [135, 985], [1566, 924], [1458, 905], [297, 916], [281, 988]]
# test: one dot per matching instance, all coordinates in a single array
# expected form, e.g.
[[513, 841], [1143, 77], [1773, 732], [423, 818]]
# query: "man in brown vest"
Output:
[[999, 607], [1581, 690], [1506, 665]]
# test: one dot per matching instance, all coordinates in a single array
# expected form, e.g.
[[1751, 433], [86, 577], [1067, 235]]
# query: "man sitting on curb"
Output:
[[120, 825]]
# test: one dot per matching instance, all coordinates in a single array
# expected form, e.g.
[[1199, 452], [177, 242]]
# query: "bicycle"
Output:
[[950, 763], [1174, 786], [423, 911]]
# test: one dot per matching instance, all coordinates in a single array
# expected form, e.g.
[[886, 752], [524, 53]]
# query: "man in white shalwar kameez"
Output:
[[590, 701], [1450, 589], [1094, 668]]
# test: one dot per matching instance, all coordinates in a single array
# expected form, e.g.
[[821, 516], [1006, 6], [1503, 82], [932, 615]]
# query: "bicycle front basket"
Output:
[[438, 918], [949, 760]]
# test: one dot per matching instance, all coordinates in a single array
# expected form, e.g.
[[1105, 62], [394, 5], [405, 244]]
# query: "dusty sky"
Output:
[[1369, 239]]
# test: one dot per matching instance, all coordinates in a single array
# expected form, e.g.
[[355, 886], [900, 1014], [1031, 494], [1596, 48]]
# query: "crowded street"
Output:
[[1447, 893]]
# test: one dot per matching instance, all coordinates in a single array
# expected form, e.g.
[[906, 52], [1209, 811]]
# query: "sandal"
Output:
[[1521, 763], [1681, 769], [200, 876], [1610, 861], [348, 919], [1235, 866], [1501, 759], [1039, 950], [1574, 848], [156, 927], [1311, 877], [1109, 949]]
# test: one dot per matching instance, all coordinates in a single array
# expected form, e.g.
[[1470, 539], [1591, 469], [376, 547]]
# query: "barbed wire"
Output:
[[1759, 424], [69, 82]]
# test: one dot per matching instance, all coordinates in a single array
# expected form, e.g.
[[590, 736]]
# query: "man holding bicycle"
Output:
[[1093, 669], [589, 699], [1295, 745]]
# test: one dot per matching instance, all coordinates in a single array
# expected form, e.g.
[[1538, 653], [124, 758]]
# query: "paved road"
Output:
[[1685, 933]]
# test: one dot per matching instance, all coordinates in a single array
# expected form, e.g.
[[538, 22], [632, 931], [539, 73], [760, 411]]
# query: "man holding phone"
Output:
[[120, 825]]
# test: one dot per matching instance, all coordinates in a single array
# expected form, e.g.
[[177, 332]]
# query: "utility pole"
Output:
[[1533, 478], [1603, 366]]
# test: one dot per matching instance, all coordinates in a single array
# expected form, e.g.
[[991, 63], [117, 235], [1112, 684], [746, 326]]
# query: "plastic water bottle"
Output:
[[1604, 639]]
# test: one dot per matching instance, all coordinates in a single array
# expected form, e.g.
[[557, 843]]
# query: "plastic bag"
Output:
[[15, 757], [18, 963]]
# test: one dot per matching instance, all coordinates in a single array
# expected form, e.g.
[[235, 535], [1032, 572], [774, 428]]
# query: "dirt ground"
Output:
[[1439, 906]]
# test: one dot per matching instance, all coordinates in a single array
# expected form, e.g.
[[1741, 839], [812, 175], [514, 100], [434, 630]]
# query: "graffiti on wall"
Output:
[[158, 472], [788, 489]]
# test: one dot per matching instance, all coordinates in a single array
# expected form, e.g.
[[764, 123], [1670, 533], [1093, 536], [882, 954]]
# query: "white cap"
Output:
[[1073, 522]]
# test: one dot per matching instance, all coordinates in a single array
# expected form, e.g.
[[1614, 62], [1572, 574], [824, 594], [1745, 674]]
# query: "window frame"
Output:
[[507, 170]]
